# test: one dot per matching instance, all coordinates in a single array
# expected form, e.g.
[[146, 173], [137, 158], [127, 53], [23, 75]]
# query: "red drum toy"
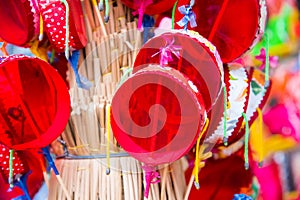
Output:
[[63, 24], [158, 113], [232, 26], [237, 93], [34, 103], [19, 21], [27, 173]]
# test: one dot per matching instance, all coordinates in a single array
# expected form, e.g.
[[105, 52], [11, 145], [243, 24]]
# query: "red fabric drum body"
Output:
[[54, 17], [232, 26], [24, 162], [19, 22], [159, 112], [34, 103], [150, 7], [156, 115], [192, 55]]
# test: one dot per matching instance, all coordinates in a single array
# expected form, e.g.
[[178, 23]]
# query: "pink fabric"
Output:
[[269, 180], [283, 119], [151, 177], [140, 11]]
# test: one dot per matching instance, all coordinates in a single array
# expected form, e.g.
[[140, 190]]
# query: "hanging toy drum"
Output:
[[158, 113], [19, 21], [34, 103], [233, 26], [64, 24]]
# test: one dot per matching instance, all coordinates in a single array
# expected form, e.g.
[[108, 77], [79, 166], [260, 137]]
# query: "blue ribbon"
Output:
[[148, 24], [51, 163], [81, 81], [189, 17], [241, 197], [20, 181]]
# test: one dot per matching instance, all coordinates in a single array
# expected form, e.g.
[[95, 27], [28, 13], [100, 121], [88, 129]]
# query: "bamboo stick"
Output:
[[164, 172], [88, 12], [100, 18]]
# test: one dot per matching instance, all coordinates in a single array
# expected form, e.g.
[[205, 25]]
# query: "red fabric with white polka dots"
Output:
[[18, 165], [23, 162], [54, 17]]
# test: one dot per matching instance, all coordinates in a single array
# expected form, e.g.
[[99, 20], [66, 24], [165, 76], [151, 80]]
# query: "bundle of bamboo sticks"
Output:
[[86, 179], [110, 52]]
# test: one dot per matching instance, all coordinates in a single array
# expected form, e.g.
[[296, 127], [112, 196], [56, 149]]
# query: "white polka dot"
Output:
[[58, 42], [64, 27], [54, 29], [52, 20], [46, 16], [62, 38], [18, 169], [14, 158], [21, 164], [53, 39], [61, 47], [7, 157], [1, 155], [7, 168], [56, 36], [48, 25], [16, 164], [60, 31], [3, 149], [51, 33], [53, 5], [59, 8], [55, 14], [58, 23], [4, 162], [71, 37], [50, 10], [62, 18]]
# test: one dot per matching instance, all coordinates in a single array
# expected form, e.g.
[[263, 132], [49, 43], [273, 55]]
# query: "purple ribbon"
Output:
[[165, 53], [189, 17], [151, 177], [262, 57], [142, 7]]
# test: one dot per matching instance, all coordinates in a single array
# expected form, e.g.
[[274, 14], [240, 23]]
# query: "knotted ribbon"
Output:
[[142, 7], [151, 177], [165, 53], [189, 16]]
